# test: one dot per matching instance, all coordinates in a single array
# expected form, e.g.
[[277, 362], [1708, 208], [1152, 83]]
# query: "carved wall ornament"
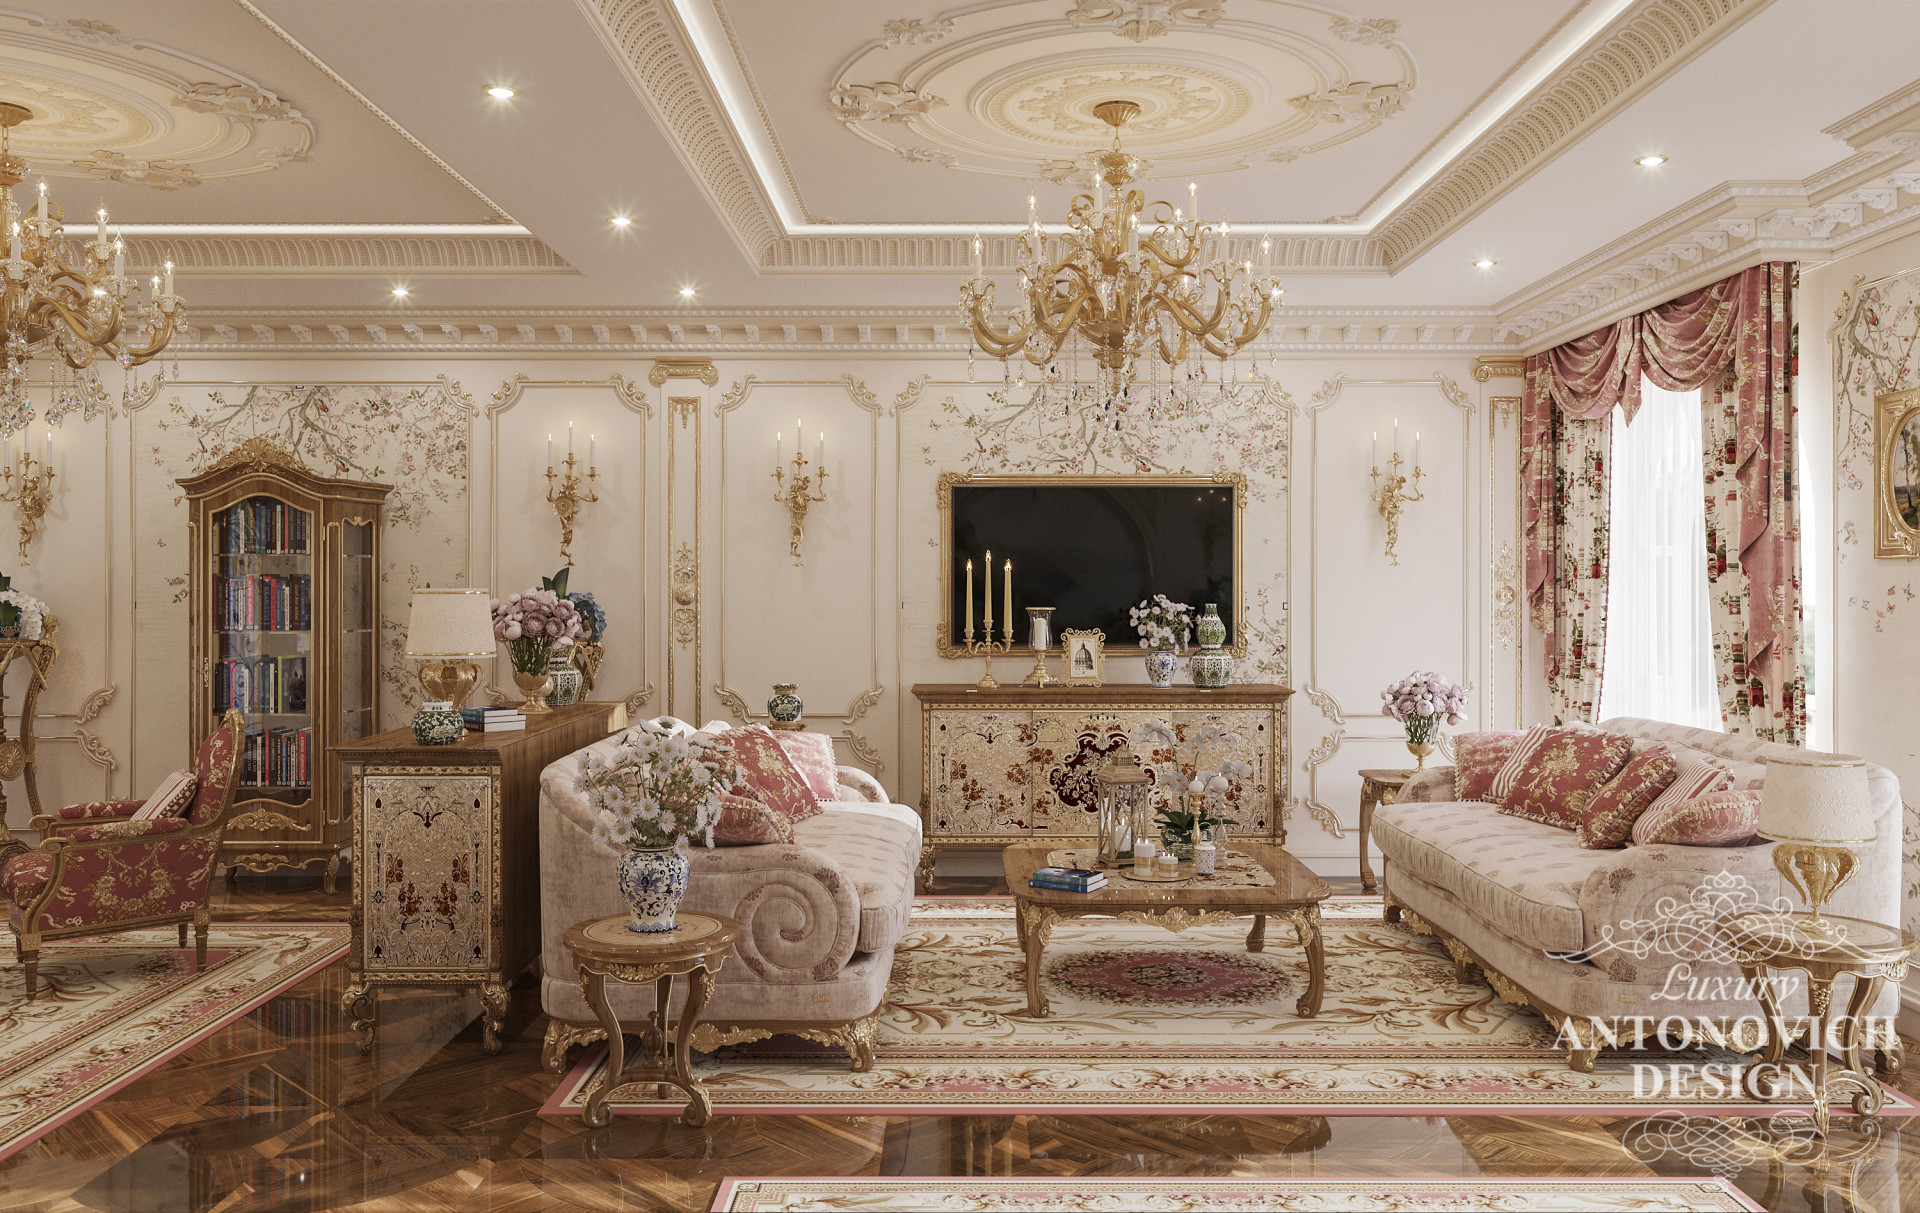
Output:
[[1359, 101], [93, 33], [915, 31], [1187, 101], [684, 588], [1485, 368], [1145, 21], [685, 408], [683, 368], [1506, 408], [1506, 595], [242, 101], [1366, 31], [885, 101], [1329, 707], [918, 154], [109, 165]]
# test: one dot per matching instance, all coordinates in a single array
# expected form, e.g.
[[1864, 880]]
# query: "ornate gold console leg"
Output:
[[925, 871], [563, 1036], [361, 1006], [493, 1016], [1890, 1057], [1307, 923]]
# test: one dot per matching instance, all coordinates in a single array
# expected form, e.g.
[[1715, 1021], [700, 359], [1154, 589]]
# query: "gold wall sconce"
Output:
[[1390, 490], [30, 490], [567, 499], [799, 490]]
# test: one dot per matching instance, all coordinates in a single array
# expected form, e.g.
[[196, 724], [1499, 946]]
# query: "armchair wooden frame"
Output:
[[56, 841]]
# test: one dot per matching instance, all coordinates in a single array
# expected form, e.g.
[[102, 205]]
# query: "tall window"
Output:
[[1659, 659]]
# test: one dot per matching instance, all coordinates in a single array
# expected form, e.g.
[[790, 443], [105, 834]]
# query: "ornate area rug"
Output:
[[1018, 1194], [1146, 1021], [122, 1004]]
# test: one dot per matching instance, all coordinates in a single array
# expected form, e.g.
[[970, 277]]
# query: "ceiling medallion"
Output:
[[70, 302], [1143, 22], [1127, 291]]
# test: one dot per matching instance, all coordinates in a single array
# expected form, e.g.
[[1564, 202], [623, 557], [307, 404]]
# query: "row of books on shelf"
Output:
[[265, 600], [1068, 880], [280, 757], [493, 720], [260, 684], [261, 525]]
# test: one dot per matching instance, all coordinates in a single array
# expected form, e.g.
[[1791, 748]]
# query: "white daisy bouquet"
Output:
[[1162, 623], [1420, 701], [660, 789]]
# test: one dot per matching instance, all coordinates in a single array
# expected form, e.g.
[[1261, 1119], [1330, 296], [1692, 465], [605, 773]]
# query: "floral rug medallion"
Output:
[[1144, 978], [112, 1007]]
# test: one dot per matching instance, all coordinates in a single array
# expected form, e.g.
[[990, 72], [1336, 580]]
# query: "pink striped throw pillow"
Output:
[[170, 799]]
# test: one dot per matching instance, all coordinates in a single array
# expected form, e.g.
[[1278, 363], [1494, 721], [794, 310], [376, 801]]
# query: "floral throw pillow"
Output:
[[812, 756], [767, 774], [1554, 771], [1608, 818], [1718, 819], [1477, 758], [746, 823]]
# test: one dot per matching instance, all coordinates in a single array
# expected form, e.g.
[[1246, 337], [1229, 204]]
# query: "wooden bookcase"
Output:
[[285, 619]]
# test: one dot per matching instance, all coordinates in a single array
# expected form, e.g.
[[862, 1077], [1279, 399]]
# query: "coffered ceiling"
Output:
[[814, 172]]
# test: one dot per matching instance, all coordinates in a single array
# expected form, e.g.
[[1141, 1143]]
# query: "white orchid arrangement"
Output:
[[33, 612], [1196, 775], [1420, 701], [1162, 623], [660, 789]]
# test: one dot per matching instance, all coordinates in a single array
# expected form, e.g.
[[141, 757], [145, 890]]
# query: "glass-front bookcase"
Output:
[[285, 611]]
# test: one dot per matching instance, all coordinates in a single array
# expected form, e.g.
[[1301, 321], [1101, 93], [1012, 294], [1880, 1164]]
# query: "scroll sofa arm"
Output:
[[864, 786], [1647, 908], [798, 910], [1427, 784], [102, 810], [126, 831]]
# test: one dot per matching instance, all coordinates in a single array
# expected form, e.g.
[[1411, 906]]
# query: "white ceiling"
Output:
[[372, 112]]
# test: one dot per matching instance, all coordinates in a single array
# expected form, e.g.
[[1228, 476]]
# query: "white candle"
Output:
[[976, 256], [1266, 258], [1033, 210], [169, 286], [1006, 621], [1396, 435], [799, 443], [820, 456], [43, 202], [549, 450], [778, 451], [1416, 448], [987, 598], [592, 441], [119, 258], [569, 438], [1376, 448], [969, 600], [1193, 199]]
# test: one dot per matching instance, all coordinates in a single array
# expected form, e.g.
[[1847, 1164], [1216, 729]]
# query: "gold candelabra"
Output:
[[988, 646], [568, 499], [31, 491], [1391, 495], [797, 493]]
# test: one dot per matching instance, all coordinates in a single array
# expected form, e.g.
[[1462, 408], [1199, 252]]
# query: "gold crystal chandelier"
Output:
[[1128, 278], [73, 302]]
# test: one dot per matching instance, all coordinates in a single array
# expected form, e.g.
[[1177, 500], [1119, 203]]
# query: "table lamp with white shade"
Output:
[[450, 625], [1816, 807]]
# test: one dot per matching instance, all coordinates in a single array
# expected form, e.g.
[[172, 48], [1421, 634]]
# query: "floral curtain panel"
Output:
[[1733, 340]]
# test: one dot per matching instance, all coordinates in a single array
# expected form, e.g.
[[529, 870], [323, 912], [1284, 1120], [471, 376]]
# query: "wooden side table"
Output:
[[1765, 943], [1377, 787], [605, 948]]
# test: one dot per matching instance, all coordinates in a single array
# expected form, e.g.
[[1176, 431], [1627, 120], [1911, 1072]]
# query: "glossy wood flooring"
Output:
[[280, 1112]]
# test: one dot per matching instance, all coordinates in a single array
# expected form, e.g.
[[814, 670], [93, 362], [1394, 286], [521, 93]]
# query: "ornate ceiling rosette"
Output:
[[112, 107], [1008, 89]]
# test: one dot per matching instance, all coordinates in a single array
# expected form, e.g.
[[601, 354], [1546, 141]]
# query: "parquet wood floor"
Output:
[[280, 1112]]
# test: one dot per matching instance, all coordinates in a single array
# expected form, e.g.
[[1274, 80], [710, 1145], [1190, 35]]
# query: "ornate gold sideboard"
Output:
[[1016, 763]]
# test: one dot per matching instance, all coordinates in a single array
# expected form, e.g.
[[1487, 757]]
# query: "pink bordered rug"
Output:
[[1146, 1021], [113, 1007], [1019, 1194]]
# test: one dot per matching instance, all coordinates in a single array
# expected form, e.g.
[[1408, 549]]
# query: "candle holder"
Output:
[[1391, 495], [797, 493], [32, 491], [987, 648], [1040, 636], [568, 499]]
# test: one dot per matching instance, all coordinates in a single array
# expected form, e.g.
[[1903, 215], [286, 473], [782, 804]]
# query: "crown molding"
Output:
[[278, 255]]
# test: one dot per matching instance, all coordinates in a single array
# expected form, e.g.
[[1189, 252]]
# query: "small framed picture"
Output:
[[1086, 657], [1896, 474]]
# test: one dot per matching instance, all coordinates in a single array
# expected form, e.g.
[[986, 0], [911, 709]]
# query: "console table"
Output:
[[446, 858], [1016, 763]]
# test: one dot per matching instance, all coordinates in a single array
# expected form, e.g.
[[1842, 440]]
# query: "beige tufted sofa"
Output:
[[1598, 941], [819, 918]]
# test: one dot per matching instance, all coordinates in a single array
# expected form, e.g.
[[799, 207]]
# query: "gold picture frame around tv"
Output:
[[1085, 651], [1896, 474]]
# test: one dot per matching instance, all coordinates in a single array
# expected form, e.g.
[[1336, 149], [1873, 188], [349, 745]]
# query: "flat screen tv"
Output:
[[1092, 547]]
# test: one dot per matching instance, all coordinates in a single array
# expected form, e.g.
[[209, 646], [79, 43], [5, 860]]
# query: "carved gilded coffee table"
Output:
[[604, 948], [1257, 879]]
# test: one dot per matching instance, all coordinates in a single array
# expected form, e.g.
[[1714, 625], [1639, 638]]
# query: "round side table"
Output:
[[605, 948], [1765, 943], [1377, 787]]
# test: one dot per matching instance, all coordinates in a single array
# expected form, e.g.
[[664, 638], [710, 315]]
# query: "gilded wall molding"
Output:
[[1329, 707], [666, 369], [1486, 368], [1506, 596]]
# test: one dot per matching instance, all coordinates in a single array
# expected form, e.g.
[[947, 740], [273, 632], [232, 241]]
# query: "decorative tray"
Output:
[[1185, 873]]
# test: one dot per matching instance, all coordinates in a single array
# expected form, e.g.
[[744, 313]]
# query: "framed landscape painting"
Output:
[[1896, 474]]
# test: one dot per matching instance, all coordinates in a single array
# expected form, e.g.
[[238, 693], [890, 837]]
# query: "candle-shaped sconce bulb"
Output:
[[549, 450], [569, 439], [1396, 435], [986, 599], [1416, 450], [779, 451], [1193, 200], [820, 454], [1376, 448], [1006, 615], [799, 443], [593, 441], [168, 267], [119, 257]]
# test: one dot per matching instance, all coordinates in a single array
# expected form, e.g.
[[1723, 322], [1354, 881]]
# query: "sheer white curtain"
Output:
[[1659, 660]]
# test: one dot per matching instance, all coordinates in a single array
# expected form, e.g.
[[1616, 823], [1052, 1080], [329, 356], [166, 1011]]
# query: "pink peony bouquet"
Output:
[[532, 624], [1420, 701]]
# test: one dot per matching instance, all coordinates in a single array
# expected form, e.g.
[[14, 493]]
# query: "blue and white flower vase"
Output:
[[1161, 664], [436, 723], [1211, 665], [567, 680], [653, 880]]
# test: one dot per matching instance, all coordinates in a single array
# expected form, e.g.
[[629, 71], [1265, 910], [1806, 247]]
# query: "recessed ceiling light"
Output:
[[399, 292], [501, 92], [1653, 161], [621, 221], [1486, 263], [686, 292]]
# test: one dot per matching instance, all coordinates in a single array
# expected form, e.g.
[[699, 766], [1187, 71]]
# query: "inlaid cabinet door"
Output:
[[1243, 736], [1068, 748], [427, 869], [979, 772]]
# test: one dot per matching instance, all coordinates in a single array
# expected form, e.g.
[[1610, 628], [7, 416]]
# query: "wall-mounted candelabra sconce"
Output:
[[31, 491], [799, 490], [566, 497], [1390, 490]]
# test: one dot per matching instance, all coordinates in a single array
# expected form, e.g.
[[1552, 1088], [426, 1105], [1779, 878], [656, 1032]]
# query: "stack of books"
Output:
[[1068, 880], [493, 720]]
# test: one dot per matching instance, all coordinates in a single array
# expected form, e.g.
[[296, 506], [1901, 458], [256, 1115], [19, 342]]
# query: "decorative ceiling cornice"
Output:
[[280, 256]]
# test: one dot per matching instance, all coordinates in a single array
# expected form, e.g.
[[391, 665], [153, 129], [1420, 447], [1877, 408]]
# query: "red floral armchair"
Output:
[[97, 871]]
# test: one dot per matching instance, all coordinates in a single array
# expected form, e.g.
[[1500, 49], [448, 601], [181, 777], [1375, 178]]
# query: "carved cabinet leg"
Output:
[[493, 1016], [361, 1006]]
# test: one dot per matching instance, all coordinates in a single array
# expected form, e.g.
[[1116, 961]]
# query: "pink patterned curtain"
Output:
[[1732, 340]]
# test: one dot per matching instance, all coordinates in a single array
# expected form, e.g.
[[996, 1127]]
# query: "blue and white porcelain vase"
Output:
[[436, 723], [1211, 665], [567, 680], [653, 880], [1161, 664], [785, 706]]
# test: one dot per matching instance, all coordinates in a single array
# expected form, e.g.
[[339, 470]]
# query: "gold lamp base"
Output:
[[1816, 873], [449, 680]]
